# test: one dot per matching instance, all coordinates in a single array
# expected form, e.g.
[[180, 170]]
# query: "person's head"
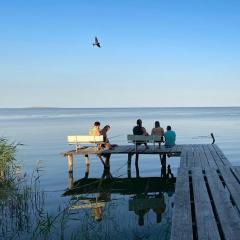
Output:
[[97, 124], [157, 124], [139, 122], [169, 128], [106, 128]]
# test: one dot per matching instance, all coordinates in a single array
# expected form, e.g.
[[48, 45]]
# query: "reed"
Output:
[[8, 163]]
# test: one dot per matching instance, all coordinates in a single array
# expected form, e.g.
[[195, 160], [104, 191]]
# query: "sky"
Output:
[[155, 53]]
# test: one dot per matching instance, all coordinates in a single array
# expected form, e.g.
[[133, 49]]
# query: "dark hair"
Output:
[[97, 124], [157, 124], [139, 122], [106, 127], [169, 128]]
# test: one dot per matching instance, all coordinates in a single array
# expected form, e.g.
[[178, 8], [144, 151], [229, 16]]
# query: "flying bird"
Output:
[[96, 43]]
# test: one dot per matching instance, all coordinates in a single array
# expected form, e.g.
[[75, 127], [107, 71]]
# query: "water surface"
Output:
[[43, 133]]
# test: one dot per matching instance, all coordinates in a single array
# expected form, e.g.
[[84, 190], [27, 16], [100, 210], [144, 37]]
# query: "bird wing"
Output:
[[96, 40]]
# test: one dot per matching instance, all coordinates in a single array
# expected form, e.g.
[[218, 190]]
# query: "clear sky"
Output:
[[155, 53]]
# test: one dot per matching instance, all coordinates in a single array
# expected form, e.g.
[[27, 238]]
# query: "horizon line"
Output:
[[117, 107]]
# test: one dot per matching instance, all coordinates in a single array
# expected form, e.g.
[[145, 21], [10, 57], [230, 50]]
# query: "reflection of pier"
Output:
[[207, 195], [145, 193], [122, 185]]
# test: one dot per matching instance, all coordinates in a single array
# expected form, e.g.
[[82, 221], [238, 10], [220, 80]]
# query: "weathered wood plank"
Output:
[[236, 170], [221, 155], [182, 219], [232, 184], [196, 155], [183, 157], [203, 157], [190, 157], [227, 214], [206, 223], [219, 162], [209, 157]]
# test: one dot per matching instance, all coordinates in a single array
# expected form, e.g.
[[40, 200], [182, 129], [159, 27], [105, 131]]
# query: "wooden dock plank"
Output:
[[209, 157], [196, 155], [221, 155], [236, 170], [227, 214], [203, 158], [182, 219], [190, 157], [184, 157], [219, 162], [232, 184], [205, 220]]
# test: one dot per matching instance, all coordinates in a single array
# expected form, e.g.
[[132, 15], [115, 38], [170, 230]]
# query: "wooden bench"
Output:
[[144, 139], [77, 140]]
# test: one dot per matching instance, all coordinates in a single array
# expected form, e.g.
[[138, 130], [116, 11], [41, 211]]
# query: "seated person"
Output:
[[105, 139], [95, 129], [157, 130], [140, 130], [170, 137]]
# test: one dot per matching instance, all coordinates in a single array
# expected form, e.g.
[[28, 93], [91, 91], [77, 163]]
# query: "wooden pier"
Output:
[[207, 191]]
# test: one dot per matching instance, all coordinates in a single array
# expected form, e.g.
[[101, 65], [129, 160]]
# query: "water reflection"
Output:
[[145, 194], [98, 208]]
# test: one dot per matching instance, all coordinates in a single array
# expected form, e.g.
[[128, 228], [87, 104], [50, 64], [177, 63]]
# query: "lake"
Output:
[[130, 210]]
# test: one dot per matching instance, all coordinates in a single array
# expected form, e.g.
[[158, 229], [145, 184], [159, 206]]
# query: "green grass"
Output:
[[8, 164]]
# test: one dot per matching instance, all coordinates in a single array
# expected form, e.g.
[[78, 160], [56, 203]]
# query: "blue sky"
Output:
[[154, 53]]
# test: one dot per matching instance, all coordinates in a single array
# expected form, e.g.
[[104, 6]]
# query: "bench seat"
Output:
[[144, 139], [77, 140]]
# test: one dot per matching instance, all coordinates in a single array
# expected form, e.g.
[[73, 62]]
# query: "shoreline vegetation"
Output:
[[23, 210], [22, 207]]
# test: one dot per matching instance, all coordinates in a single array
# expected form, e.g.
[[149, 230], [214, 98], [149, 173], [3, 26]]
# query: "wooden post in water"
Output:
[[129, 165], [70, 162], [164, 165], [70, 180], [136, 165], [87, 165]]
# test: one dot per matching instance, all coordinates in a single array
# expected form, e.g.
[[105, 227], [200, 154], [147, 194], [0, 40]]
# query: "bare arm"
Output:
[[145, 132]]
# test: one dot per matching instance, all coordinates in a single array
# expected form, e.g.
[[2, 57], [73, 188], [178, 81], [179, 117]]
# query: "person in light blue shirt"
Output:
[[170, 137]]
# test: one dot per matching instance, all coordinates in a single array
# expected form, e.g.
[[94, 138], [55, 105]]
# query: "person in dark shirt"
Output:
[[140, 130]]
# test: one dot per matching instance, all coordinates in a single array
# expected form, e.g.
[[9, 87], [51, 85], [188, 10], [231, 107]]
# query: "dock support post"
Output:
[[129, 165], [70, 180], [70, 162], [87, 165], [136, 165], [164, 165], [106, 171]]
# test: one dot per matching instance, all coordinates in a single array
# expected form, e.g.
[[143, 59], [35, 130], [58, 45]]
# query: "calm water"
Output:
[[43, 133]]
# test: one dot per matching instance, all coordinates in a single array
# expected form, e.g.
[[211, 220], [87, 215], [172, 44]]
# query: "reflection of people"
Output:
[[157, 130], [170, 137], [97, 212], [97, 208], [160, 209], [95, 129], [140, 130], [141, 214], [169, 171]]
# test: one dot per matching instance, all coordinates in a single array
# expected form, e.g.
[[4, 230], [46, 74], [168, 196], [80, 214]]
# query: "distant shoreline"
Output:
[[44, 108]]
